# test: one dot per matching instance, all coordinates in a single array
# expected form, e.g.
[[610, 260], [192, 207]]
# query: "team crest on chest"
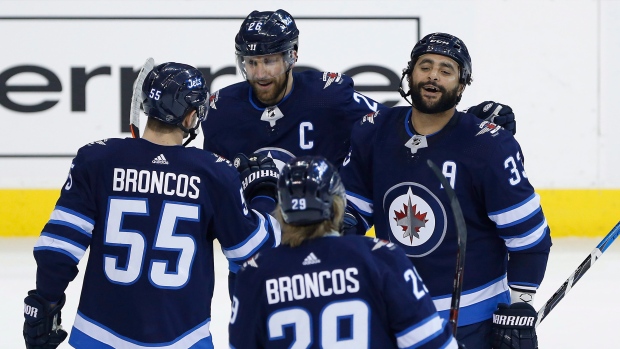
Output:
[[416, 218], [330, 77], [280, 156], [271, 115]]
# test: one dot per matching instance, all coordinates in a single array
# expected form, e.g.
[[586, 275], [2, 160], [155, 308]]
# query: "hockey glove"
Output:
[[497, 113], [259, 175], [514, 327], [349, 224], [42, 329]]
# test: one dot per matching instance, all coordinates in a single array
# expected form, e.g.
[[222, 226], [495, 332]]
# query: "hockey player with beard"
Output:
[[283, 114], [390, 186]]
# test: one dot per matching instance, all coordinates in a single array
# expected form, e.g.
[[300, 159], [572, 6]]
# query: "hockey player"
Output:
[[319, 290], [149, 210], [283, 114], [390, 185]]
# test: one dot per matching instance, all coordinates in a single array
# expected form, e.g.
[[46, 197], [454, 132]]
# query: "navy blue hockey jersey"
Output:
[[149, 215], [334, 292], [390, 185], [316, 118]]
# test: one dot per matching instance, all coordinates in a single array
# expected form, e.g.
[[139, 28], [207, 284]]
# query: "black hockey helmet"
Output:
[[306, 190], [445, 45], [265, 33], [171, 90]]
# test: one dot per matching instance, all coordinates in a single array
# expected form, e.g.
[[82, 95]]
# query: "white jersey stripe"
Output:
[[61, 214], [417, 335], [103, 335], [363, 206], [247, 248], [277, 231], [517, 212], [53, 242], [528, 239], [498, 287]]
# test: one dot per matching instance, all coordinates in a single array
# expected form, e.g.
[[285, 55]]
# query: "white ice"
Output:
[[586, 318]]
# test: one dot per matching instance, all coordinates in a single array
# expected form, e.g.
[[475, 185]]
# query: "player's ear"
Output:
[[190, 119]]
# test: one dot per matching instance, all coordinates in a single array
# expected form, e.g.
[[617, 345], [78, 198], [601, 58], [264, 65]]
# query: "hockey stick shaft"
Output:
[[461, 230], [134, 116], [578, 273]]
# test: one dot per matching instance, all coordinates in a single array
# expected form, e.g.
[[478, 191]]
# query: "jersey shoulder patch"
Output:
[[331, 78]]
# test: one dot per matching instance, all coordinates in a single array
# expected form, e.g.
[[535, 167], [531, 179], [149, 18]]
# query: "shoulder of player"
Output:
[[483, 131], [323, 81], [261, 264], [226, 96], [102, 147], [381, 249], [221, 165], [375, 120]]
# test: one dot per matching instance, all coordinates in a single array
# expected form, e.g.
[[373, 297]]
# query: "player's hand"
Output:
[[514, 327], [42, 329], [497, 113], [349, 224], [259, 175]]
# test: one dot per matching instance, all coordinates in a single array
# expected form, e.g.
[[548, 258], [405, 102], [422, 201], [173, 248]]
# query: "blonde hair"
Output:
[[295, 235]]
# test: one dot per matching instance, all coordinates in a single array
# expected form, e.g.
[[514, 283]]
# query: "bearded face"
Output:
[[268, 77], [434, 84]]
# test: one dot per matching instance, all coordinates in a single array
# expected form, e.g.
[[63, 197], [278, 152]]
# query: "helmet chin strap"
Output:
[[189, 133], [400, 88]]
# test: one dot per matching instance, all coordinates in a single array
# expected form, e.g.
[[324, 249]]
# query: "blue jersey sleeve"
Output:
[[241, 230], [412, 315], [246, 329], [357, 172], [67, 234], [514, 206]]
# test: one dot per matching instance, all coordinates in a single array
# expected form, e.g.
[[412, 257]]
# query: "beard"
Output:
[[274, 93], [447, 100]]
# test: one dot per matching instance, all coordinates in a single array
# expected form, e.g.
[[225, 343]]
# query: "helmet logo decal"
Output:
[[329, 77], [415, 218], [271, 115]]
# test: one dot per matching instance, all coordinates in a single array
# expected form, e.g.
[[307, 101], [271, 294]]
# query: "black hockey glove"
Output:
[[259, 175], [42, 329], [497, 113], [349, 224], [514, 327]]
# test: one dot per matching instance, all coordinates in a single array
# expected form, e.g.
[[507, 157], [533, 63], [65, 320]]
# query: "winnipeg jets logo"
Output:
[[271, 115], [213, 99], [416, 218], [370, 117], [280, 156], [329, 77], [410, 220], [490, 127]]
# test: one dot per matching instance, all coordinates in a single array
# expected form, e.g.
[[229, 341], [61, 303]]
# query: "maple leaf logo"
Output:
[[410, 220]]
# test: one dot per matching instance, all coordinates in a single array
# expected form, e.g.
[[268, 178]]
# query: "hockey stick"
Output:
[[134, 116], [578, 273], [461, 230]]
